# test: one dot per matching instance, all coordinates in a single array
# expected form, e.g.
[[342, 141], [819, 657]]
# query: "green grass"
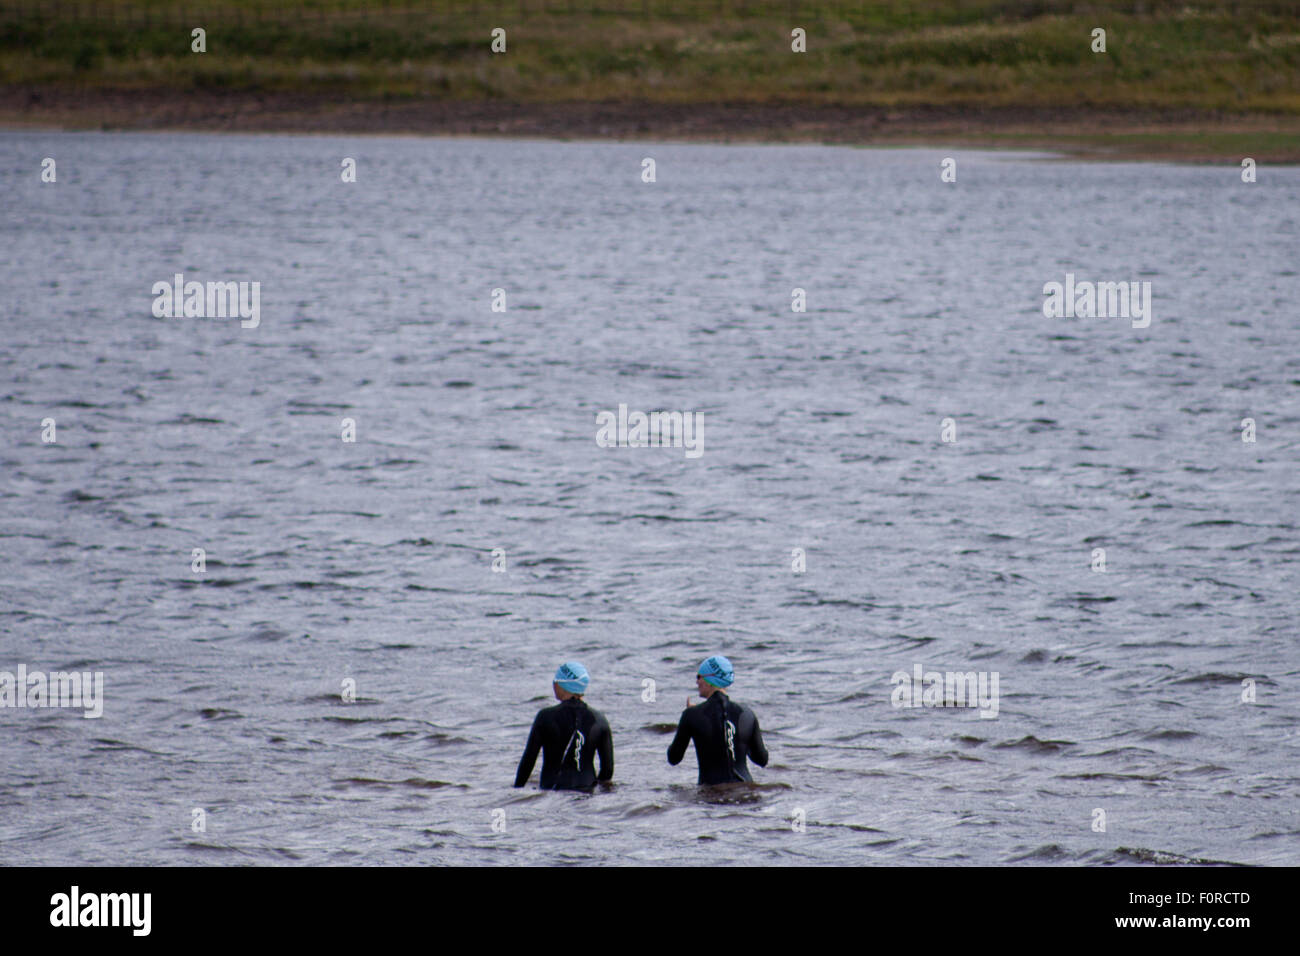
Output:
[[1015, 53]]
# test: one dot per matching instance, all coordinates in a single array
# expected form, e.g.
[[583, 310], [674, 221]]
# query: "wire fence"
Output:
[[160, 13]]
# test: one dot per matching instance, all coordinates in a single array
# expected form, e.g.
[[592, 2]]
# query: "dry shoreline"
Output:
[[1184, 135]]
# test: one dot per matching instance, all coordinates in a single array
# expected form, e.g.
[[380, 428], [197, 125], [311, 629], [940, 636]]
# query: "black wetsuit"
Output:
[[569, 735], [706, 725]]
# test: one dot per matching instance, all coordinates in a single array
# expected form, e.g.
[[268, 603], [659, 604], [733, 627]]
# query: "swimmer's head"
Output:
[[572, 678], [717, 671]]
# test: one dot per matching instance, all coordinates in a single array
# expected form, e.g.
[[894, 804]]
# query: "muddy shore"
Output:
[[1171, 135]]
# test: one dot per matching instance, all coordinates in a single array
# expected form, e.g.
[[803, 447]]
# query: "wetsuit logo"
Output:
[[730, 730], [575, 744]]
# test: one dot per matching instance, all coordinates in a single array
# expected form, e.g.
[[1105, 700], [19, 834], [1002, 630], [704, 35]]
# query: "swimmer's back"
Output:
[[570, 736], [707, 725]]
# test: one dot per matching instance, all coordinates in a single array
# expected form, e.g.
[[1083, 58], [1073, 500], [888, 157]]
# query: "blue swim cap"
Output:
[[717, 670], [572, 677]]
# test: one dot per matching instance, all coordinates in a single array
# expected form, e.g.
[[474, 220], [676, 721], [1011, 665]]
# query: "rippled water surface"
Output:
[[372, 560]]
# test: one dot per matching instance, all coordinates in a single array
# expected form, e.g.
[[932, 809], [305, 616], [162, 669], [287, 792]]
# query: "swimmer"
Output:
[[725, 733], [570, 735]]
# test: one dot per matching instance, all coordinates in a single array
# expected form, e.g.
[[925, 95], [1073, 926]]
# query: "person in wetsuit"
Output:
[[570, 735], [726, 734]]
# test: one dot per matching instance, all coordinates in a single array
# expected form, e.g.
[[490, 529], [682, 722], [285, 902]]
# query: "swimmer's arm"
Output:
[[530, 753], [605, 750], [677, 749], [757, 752]]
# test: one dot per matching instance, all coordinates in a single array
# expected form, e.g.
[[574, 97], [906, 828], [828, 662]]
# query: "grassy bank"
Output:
[[1231, 66]]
